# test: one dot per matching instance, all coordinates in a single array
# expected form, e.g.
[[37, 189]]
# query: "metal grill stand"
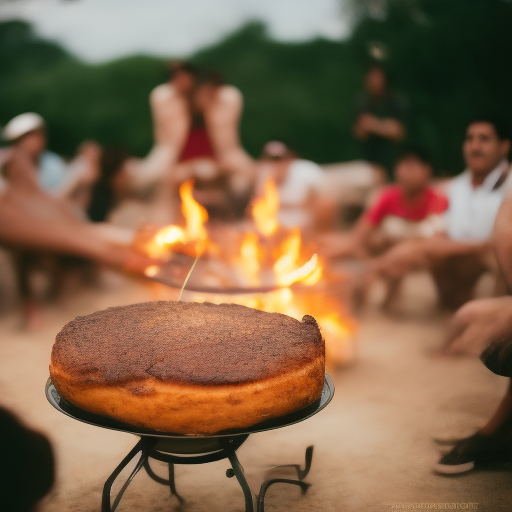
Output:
[[161, 449], [194, 449]]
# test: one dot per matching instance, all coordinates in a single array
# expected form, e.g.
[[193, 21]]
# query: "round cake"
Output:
[[189, 368]]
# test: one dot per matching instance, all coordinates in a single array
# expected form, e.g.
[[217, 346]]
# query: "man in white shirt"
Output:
[[458, 256]]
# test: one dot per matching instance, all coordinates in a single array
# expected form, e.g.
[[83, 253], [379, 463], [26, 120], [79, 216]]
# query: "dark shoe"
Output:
[[475, 450]]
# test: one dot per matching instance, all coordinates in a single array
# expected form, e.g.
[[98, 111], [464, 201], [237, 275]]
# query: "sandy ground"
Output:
[[374, 443]]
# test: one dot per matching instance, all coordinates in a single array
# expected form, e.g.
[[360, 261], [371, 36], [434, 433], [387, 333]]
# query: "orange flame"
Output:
[[287, 269], [249, 258], [264, 210], [195, 217]]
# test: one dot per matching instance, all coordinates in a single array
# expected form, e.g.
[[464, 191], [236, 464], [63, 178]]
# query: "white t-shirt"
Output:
[[303, 179], [472, 210]]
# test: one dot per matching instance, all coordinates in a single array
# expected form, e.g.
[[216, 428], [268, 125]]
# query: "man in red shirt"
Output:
[[409, 209]]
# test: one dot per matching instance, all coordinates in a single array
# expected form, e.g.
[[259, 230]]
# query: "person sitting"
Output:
[[484, 327], [195, 119], [27, 133], [83, 172], [110, 187], [409, 209], [35, 224], [380, 115], [299, 185], [459, 255]]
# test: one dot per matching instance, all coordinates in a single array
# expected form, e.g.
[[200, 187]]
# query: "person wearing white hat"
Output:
[[27, 133]]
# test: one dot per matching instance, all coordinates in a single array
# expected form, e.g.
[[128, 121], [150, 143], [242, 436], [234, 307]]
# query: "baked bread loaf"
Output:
[[189, 368]]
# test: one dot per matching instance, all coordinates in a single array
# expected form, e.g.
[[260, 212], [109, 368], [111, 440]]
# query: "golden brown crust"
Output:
[[185, 342], [189, 368], [192, 409]]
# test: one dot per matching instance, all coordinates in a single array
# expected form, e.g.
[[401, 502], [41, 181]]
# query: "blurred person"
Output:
[[409, 209], [31, 220], [27, 465], [27, 133], [484, 328], [299, 184], [459, 255], [83, 173], [212, 153], [169, 104], [195, 118], [111, 185], [380, 116]]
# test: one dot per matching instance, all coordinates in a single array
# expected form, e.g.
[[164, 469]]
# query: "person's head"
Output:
[[208, 83], [486, 143], [27, 133], [182, 75], [413, 170], [276, 157], [375, 81]]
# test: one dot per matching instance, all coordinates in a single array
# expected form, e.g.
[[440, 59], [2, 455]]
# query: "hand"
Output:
[[478, 324], [333, 245], [365, 125]]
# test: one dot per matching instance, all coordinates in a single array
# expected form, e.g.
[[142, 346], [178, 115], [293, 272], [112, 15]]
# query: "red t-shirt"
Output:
[[198, 145], [392, 202]]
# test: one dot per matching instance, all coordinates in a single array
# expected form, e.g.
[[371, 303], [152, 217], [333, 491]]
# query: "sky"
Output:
[[101, 30]]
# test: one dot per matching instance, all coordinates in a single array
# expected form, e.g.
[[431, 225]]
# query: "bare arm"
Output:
[[349, 243], [389, 128], [503, 240]]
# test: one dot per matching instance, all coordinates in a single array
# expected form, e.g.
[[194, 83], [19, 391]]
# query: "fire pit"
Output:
[[186, 449], [255, 263]]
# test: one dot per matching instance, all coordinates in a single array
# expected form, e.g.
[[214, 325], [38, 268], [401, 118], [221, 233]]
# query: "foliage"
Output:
[[450, 59]]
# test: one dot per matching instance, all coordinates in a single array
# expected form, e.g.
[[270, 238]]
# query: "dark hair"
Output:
[[211, 77], [416, 152], [501, 127], [176, 66]]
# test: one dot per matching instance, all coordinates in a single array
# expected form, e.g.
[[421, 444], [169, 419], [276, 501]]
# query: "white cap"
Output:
[[22, 124]]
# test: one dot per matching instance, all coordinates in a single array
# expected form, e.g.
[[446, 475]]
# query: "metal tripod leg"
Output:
[[301, 474], [238, 471], [164, 481], [172, 485], [106, 505]]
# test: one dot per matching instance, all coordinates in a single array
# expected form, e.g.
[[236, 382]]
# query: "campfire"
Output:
[[282, 273]]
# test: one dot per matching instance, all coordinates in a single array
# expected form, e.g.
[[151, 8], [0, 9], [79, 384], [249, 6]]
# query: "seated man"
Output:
[[298, 184], [409, 209], [484, 327], [462, 253]]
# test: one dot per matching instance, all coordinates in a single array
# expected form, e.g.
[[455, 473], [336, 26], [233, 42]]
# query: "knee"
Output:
[[467, 313]]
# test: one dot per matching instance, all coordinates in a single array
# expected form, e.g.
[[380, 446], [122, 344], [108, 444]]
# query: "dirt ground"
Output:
[[373, 444]]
